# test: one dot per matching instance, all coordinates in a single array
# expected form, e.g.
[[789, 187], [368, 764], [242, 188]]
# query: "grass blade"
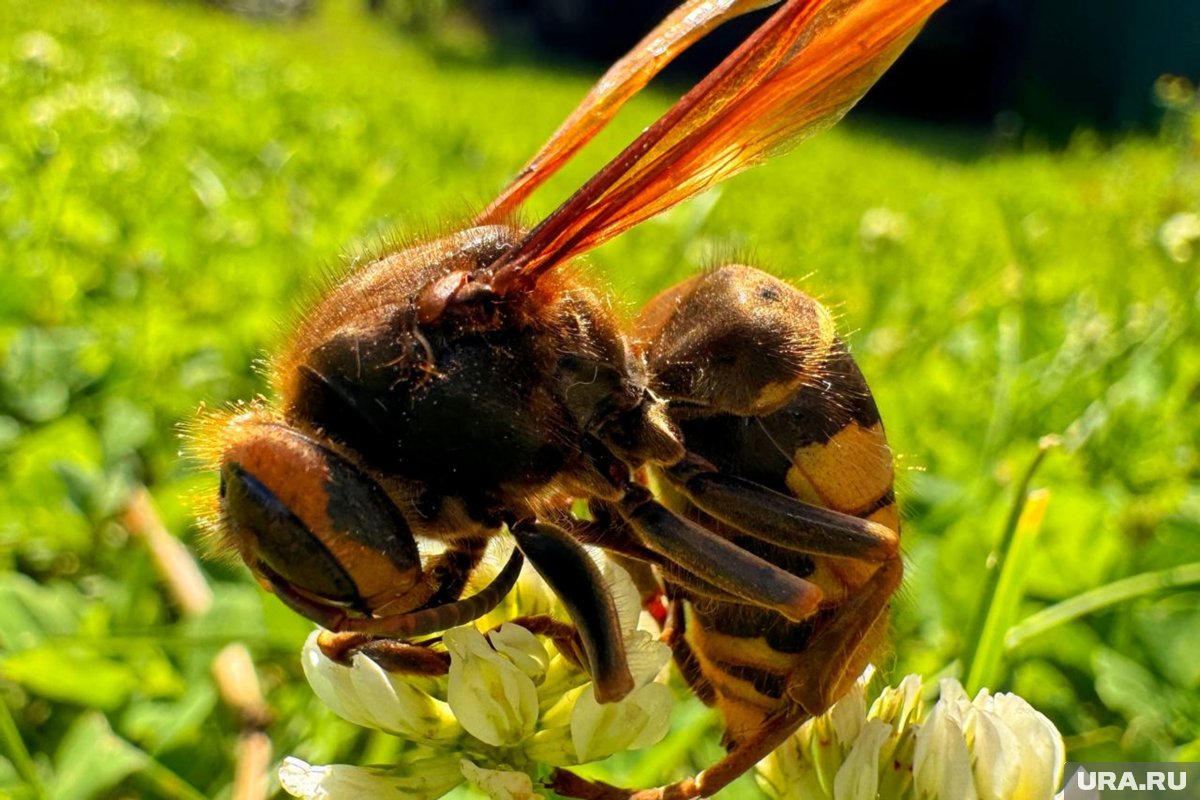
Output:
[[18, 754], [1100, 598], [1005, 582]]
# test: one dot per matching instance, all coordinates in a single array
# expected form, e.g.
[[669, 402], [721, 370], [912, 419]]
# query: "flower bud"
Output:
[[996, 750], [858, 778], [1042, 753], [522, 648]]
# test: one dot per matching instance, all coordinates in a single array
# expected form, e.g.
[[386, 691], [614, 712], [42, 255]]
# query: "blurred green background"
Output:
[[174, 182]]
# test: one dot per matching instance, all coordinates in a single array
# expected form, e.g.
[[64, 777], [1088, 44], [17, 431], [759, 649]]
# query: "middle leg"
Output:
[[715, 560], [780, 519]]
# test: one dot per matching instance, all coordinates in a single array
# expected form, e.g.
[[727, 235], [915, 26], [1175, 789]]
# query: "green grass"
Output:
[[173, 183]]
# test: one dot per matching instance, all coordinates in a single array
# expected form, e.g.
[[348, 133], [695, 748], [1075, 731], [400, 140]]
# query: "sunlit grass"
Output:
[[173, 183]]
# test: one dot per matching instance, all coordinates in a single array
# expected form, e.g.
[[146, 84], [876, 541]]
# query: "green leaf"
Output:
[[1170, 632], [159, 726], [29, 611], [71, 673], [91, 759], [1126, 686], [19, 761]]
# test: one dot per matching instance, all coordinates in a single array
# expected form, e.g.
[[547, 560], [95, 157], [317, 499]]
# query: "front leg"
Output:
[[393, 655], [405, 624], [577, 581]]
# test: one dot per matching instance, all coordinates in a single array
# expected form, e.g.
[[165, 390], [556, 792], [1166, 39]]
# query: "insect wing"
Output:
[[687, 24], [796, 75]]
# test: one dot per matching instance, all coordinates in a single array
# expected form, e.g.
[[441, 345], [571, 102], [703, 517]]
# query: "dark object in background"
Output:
[[1059, 64], [1097, 59]]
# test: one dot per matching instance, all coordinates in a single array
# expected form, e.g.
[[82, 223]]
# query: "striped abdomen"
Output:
[[825, 446]]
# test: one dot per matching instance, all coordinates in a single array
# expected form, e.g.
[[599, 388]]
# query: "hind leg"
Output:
[[842, 649], [774, 731], [845, 645]]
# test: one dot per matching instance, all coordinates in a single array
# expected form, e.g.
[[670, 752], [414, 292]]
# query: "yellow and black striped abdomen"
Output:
[[825, 446], [840, 457]]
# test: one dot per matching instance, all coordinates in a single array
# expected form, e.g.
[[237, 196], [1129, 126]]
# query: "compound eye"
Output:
[[302, 515]]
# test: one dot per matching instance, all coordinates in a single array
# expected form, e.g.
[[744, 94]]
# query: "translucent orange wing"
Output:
[[797, 74], [687, 24]]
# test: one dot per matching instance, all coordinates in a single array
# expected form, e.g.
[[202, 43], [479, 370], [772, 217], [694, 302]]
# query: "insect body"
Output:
[[467, 386], [773, 407]]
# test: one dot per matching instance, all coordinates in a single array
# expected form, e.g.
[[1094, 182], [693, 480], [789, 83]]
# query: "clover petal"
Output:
[[858, 777], [996, 754], [787, 774], [848, 714], [367, 695], [941, 762], [1043, 754], [499, 784], [422, 779], [639, 720], [492, 698], [899, 705], [522, 648]]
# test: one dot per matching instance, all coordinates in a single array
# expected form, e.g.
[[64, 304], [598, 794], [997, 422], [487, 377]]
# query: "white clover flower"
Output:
[[1179, 236], [509, 704], [880, 227], [370, 697], [990, 748]]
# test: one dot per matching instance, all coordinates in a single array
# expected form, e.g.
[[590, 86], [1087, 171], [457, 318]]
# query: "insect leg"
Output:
[[577, 581], [749, 751], [564, 635], [391, 654], [845, 645], [614, 534], [781, 519], [426, 620], [716, 560]]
